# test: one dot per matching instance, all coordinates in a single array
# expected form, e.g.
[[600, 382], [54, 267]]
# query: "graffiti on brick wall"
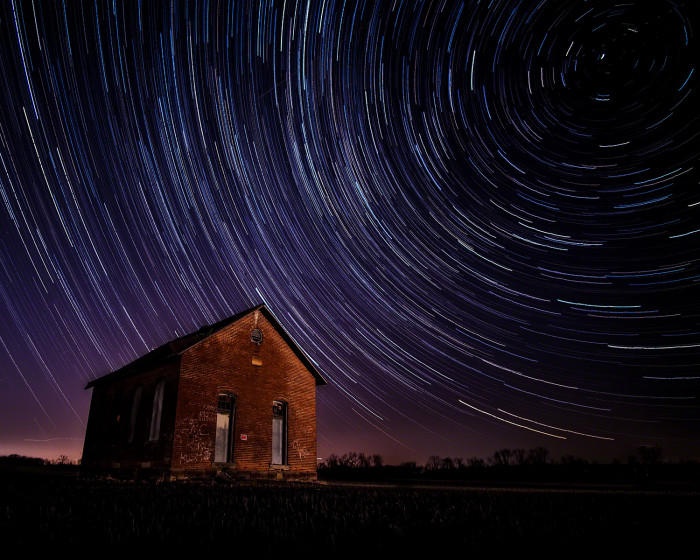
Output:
[[298, 447], [194, 438]]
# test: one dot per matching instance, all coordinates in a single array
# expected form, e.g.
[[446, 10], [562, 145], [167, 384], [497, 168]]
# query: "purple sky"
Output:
[[479, 220]]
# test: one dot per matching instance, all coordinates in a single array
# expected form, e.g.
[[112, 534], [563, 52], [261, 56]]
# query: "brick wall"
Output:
[[224, 363], [106, 444]]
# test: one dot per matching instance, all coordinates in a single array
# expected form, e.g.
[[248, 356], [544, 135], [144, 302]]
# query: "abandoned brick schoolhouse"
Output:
[[237, 396]]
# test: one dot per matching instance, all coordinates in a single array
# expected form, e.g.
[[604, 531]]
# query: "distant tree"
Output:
[[537, 456], [520, 457], [573, 460], [447, 464], [333, 461], [433, 463], [15, 459], [502, 457], [377, 461], [363, 461], [350, 459], [63, 460], [459, 463], [476, 463], [650, 454]]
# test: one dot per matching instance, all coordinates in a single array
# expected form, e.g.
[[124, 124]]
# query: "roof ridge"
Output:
[[169, 350]]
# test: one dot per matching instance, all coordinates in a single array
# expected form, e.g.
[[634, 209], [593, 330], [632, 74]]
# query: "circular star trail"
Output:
[[479, 219]]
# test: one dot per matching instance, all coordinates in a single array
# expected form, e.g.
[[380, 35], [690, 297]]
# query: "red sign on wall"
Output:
[[244, 437]]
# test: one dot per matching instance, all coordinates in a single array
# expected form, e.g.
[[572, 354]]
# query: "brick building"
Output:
[[239, 395]]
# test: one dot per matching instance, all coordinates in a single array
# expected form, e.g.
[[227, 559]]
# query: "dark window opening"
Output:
[[157, 412], [135, 402], [114, 426]]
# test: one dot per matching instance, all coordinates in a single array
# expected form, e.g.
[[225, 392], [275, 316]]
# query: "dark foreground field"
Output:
[[342, 520]]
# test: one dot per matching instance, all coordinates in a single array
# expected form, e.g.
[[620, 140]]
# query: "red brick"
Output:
[[220, 362]]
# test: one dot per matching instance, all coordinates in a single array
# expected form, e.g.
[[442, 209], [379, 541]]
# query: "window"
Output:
[[279, 433], [135, 402], [114, 418], [225, 414], [157, 411]]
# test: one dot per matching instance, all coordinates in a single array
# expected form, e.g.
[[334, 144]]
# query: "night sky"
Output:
[[480, 220]]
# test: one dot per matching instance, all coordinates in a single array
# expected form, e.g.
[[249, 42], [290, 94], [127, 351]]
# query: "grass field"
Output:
[[343, 520]]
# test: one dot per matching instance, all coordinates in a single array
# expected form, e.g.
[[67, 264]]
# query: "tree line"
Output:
[[647, 455], [22, 460], [646, 464]]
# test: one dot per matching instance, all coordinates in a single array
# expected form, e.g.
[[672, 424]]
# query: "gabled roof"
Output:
[[172, 350]]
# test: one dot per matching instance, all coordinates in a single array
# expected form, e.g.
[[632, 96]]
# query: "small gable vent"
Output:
[[256, 336]]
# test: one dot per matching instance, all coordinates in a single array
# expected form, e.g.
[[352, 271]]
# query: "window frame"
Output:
[[231, 425], [285, 427], [157, 411], [133, 417]]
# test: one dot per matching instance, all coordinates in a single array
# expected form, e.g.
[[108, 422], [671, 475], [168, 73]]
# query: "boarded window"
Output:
[[279, 433], [225, 414], [157, 411], [135, 402]]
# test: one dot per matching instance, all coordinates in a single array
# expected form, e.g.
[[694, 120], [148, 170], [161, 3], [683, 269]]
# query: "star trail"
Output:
[[478, 219]]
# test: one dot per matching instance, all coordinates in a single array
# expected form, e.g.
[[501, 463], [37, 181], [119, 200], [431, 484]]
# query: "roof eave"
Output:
[[127, 371]]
